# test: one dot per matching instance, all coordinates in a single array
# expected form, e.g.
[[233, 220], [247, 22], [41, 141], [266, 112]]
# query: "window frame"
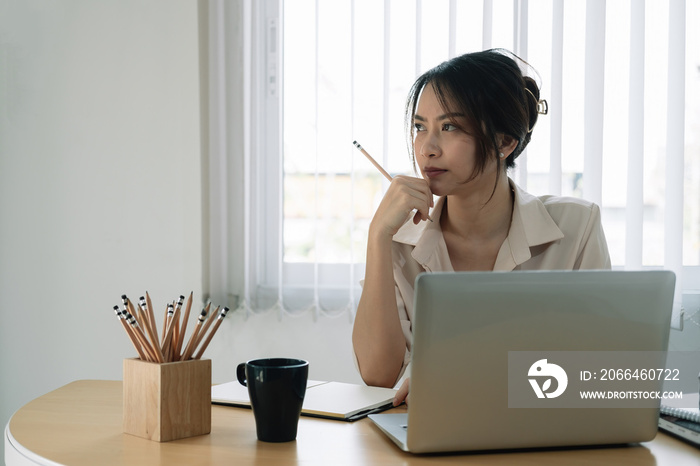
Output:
[[262, 176]]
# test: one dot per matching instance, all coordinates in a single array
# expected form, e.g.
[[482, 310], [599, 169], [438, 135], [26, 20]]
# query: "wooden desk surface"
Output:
[[81, 423]]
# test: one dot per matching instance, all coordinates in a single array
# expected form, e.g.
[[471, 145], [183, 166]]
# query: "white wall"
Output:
[[100, 194], [99, 181]]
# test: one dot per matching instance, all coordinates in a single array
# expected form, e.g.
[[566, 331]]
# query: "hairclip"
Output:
[[542, 106]]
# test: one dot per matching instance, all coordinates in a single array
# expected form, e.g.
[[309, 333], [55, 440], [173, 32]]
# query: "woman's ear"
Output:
[[507, 145]]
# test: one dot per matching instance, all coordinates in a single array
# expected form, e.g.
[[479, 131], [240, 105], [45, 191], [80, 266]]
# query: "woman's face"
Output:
[[446, 154]]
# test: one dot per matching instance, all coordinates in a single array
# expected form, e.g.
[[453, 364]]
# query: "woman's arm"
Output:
[[377, 336]]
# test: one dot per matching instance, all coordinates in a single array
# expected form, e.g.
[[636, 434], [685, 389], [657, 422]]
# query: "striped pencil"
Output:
[[220, 319], [211, 317], [130, 333], [150, 330], [131, 320], [183, 329], [193, 338]]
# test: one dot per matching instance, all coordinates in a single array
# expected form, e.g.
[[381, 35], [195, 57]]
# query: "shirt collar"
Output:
[[531, 225]]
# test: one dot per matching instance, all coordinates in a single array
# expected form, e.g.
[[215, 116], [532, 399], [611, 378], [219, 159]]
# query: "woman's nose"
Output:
[[430, 147]]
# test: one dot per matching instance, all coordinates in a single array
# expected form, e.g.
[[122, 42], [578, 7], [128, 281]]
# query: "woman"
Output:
[[469, 118]]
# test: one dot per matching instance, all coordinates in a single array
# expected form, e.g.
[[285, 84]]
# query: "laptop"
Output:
[[480, 338]]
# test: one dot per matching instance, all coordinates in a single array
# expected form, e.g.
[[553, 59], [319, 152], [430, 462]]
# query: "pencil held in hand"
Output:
[[374, 162]]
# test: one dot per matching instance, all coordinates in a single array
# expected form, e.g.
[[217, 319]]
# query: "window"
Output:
[[621, 79]]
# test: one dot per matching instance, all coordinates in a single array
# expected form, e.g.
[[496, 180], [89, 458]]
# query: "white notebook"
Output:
[[332, 400]]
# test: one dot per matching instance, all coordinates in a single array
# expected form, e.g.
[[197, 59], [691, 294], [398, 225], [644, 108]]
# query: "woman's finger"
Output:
[[405, 194], [402, 393]]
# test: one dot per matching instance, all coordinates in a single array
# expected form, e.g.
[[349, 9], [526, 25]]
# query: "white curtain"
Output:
[[291, 84]]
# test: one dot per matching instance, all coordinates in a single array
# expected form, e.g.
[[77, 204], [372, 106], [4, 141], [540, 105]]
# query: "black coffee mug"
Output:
[[276, 387]]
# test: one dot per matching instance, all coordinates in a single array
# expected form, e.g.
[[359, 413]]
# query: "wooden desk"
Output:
[[81, 423]]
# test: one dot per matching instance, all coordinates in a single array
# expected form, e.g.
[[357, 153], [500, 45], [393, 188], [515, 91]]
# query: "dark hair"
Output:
[[492, 93]]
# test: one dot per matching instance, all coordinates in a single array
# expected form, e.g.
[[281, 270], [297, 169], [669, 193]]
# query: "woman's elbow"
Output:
[[378, 382], [378, 376]]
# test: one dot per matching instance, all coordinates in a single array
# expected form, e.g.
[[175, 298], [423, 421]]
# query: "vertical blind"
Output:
[[621, 79]]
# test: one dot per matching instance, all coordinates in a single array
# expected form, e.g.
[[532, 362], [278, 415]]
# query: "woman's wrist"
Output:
[[379, 236]]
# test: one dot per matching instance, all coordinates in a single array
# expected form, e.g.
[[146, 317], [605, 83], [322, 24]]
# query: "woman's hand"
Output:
[[402, 394], [377, 335], [405, 194]]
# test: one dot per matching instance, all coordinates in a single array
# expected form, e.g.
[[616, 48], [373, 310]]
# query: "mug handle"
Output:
[[240, 374]]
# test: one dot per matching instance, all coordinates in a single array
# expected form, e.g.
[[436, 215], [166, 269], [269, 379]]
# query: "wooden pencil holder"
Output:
[[167, 401]]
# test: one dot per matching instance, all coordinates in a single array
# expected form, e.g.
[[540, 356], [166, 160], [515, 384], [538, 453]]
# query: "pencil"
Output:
[[151, 316], [174, 339], [130, 333], [142, 320], [127, 305], [150, 353], [166, 318], [220, 319], [173, 316], [167, 321], [183, 329], [176, 329], [374, 162], [193, 338], [150, 330], [210, 319]]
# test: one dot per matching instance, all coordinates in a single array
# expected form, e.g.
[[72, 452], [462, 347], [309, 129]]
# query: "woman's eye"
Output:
[[448, 127], [418, 127]]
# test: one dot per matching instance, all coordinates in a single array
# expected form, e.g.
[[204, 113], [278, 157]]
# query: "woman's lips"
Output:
[[433, 172]]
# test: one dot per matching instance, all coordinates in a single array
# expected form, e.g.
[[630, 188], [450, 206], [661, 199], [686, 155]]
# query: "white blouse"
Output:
[[546, 233]]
